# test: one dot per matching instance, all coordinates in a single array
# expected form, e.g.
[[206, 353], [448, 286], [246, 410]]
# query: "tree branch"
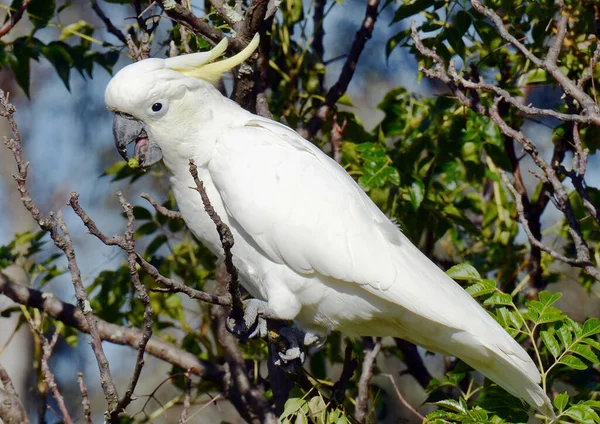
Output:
[[160, 208], [338, 393], [15, 17], [549, 64], [116, 334], [226, 241], [339, 88], [47, 348], [55, 225], [11, 408], [110, 27], [85, 400], [362, 400], [247, 397], [185, 17]]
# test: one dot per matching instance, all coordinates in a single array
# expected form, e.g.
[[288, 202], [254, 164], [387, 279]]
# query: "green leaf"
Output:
[[573, 362], [147, 228], [499, 298], [59, 56], [410, 8], [593, 343], [482, 287], [155, 244], [463, 272], [564, 334], [582, 414], [416, 191], [293, 406], [115, 168], [453, 405], [551, 343], [40, 12], [455, 39], [591, 327], [585, 352], [141, 213], [561, 401], [547, 298]]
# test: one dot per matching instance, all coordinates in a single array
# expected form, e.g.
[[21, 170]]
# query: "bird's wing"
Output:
[[302, 209], [305, 211]]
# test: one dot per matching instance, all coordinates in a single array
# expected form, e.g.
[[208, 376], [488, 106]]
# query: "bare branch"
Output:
[[339, 88], [247, 397], [160, 208], [530, 236], [362, 400], [172, 285], [226, 241], [11, 408], [549, 64], [403, 401], [335, 138], [414, 362], [47, 348], [110, 27], [15, 17], [186, 399], [64, 243], [117, 334], [318, 35], [85, 400], [350, 365], [185, 17], [129, 247]]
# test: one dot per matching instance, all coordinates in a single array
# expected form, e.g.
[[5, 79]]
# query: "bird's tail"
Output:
[[507, 364]]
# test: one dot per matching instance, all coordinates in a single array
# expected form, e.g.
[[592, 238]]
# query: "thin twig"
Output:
[[348, 369], [118, 240], [160, 208], [53, 226], [339, 88], [362, 400], [335, 138], [247, 397], [227, 242], [186, 399], [403, 401], [549, 64], [129, 247], [72, 316], [85, 400], [110, 27], [15, 17], [185, 17], [47, 348]]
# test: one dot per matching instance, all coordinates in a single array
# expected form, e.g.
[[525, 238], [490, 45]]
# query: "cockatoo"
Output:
[[310, 244]]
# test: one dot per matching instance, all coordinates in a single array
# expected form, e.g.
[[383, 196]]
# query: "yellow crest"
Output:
[[201, 65]]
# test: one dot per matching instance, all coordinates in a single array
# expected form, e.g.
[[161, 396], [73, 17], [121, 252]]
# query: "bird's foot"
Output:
[[290, 346], [252, 323]]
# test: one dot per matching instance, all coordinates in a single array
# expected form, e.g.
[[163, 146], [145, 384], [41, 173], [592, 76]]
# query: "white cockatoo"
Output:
[[309, 243]]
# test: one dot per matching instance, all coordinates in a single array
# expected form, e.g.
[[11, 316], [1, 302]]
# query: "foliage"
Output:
[[430, 164]]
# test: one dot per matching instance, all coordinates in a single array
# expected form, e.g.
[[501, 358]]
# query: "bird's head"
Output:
[[152, 98]]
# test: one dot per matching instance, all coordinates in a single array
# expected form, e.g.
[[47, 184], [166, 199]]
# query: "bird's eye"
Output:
[[156, 107]]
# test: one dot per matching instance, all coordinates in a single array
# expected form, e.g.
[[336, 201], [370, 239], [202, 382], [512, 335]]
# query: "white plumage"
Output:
[[308, 240]]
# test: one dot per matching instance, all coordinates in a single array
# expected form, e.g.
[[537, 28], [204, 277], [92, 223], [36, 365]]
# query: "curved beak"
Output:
[[127, 130]]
